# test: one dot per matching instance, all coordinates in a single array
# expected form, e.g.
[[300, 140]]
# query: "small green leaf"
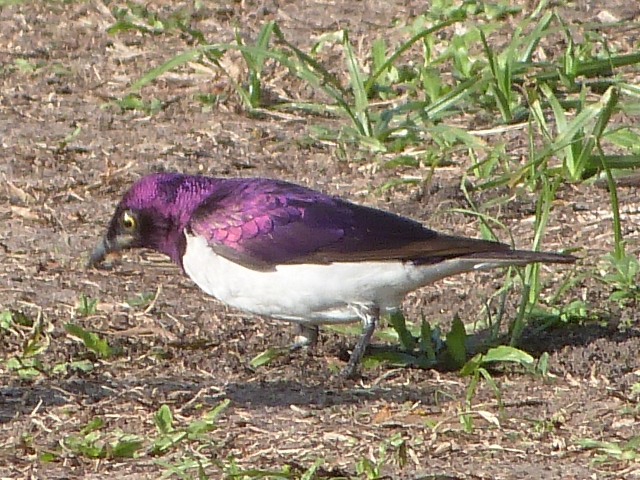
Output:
[[426, 341], [92, 451], [267, 356], [26, 368], [472, 366], [399, 324], [48, 457], [25, 66], [456, 342], [163, 419], [609, 448], [83, 365], [164, 443], [213, 414], [198, 427], [141, 301], [125, 447], [60, 369], [87, 306], [21, 319], [504, 353], [93, 426], [310, 474], [92, 341], [543, 364], [6, 320]]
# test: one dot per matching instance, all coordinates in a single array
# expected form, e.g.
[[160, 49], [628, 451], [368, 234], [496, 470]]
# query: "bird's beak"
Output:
[[99, 253], [106, 246]]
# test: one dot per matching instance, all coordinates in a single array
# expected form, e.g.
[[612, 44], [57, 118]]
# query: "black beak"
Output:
[[99, 253], [107, 245]]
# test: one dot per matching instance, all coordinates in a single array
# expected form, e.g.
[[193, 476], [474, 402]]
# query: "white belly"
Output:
[[310, 293]]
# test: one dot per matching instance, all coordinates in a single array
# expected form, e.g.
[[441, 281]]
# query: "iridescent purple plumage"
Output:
[[275, 248], [261, 223]]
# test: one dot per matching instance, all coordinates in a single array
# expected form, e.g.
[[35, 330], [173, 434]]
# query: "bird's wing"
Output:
[[263, 223]]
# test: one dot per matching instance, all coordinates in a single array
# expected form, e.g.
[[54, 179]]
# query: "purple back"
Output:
[[261, 223]]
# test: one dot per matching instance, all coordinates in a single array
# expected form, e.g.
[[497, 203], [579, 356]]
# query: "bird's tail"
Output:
[[487, 260], [515, 257]]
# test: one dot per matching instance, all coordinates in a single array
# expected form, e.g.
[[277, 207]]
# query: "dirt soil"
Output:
[[190, 352]]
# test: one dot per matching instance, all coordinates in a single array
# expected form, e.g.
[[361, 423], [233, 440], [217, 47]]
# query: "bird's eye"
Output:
[[129, 222]]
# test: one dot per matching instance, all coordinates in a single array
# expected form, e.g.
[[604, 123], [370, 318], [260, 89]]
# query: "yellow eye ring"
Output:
[[128, 221]]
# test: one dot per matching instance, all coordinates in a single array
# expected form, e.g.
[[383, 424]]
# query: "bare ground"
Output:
[[190, 352]]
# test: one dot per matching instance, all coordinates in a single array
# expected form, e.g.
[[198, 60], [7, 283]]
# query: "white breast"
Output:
[[310, 293]]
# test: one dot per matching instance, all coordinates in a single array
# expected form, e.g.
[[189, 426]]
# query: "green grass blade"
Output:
[[406, 46], [263, 43], [171, 64], [326, 78], [619, 250], [357, 85], [437, 109], [533, 39], [501, 80], [614, 162], [571, 134]]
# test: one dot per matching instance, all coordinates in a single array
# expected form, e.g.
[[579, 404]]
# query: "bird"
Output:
[[281, 250]]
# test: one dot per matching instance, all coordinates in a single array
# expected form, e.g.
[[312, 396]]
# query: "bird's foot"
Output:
[[350, 372], [370, 315], [306, 336]]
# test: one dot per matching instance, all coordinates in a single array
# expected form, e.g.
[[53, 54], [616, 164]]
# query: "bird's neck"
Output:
[[169, 236]]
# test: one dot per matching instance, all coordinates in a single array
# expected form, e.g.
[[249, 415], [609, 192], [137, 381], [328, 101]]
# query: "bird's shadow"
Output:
[[280, 393], [97, 391], [18, 397], [601, 333], [554, 339]]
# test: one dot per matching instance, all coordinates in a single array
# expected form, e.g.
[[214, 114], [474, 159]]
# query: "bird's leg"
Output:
[[306, 336], [369, 314]]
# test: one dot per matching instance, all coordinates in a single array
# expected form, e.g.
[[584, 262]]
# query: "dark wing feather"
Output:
[[261, 223]]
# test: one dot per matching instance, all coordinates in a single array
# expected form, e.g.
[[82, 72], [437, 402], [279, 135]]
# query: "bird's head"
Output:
[[152, 214]]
